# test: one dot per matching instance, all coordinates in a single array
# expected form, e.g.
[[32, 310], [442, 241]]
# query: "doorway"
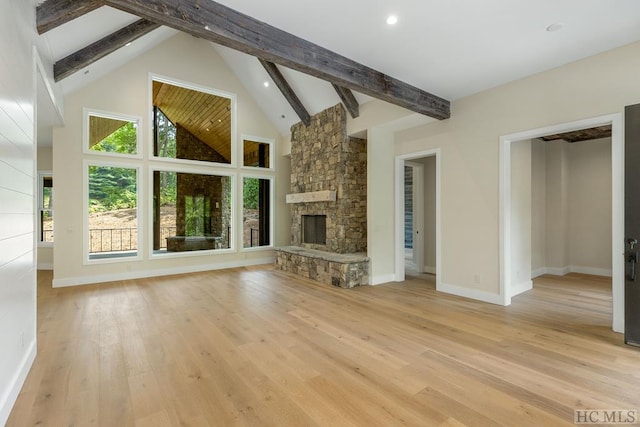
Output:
[[418, 177], [507, 285]]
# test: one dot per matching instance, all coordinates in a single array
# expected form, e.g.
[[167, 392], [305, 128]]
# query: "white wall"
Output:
[[521, 216], [125, 91], [571, 207], [589, 224], [17, 160], [429, 212], [469, 144]]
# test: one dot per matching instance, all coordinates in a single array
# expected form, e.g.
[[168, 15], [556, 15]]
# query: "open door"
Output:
[[632, 225]]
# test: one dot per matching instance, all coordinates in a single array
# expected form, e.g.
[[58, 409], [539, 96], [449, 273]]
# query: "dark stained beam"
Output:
[[103, 47], [53, 13], [348, 100], [287, 91], [217, 23]]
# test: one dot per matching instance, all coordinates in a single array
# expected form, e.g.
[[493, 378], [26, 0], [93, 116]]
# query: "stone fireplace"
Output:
[[328, 202]]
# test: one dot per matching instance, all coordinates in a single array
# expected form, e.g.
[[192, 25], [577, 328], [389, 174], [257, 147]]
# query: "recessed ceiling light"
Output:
[[555, 27], [392, 20], [266, 84]]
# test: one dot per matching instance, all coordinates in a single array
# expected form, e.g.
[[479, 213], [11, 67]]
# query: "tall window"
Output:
[[45, 207], [256, 212], [112, 206]]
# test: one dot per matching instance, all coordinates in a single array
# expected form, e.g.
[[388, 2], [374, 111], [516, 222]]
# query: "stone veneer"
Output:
[[324, 158]]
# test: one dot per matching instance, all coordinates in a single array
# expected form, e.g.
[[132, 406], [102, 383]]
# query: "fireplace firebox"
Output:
[[314, 229]]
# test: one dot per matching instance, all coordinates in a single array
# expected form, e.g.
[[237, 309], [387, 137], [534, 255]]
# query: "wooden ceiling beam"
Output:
[[103, 47], [53, 13], [287, 91], [348, 99], [217, 23]]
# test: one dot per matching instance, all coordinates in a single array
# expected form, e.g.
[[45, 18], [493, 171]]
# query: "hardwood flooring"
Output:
[[259, 347]]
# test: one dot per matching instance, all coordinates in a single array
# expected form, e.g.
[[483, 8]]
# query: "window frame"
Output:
[[201, 170], [259, 139], [192, 86], [240, 232], [86, 255], [88, 112], [41, 177]]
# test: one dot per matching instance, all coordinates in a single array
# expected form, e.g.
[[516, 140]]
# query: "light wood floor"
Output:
[[259, 347]]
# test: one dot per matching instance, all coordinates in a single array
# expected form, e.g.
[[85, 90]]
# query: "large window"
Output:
[[112, 208], [191, 212], [45, 207], [256, 212], [192, 123], [256, 153]]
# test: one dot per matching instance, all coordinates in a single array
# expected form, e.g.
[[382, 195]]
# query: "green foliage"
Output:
[[111, 188], [250, 193], [124, 140], [166, 133]]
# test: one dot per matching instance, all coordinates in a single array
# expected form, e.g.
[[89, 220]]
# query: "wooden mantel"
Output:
[[312, 196]]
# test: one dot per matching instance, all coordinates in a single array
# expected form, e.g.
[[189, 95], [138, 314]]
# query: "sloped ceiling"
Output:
[[451, 49]]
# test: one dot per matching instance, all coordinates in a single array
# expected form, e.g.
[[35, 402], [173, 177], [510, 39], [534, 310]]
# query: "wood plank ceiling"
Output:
[[206, 116]]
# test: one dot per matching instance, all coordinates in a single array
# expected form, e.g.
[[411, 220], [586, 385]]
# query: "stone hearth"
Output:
[[329, 179]]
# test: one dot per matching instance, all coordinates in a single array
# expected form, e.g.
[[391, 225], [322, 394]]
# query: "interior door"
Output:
[[632, 225]]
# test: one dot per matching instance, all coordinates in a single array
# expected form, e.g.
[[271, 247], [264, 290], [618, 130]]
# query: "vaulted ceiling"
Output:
[[449, 49]]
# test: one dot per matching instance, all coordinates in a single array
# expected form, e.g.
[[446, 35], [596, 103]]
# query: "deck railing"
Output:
[[121, 239]]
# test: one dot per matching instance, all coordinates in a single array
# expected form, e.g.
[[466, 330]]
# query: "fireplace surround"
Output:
[[329, 196]]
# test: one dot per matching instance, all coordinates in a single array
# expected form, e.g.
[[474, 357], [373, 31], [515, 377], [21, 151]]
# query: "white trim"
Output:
[[45, 266], [522, 287], [617, 161], [86, 163], [272, 145], [399, 213], [465, 292], [232, 175], [561, 271], [429, 269], [8, 399], [143, 274], [379, 280]]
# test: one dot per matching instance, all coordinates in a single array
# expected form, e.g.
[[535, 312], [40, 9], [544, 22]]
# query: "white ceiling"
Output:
[[451, 48]]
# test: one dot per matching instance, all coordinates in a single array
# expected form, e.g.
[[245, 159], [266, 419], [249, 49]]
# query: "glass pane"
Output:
[[46, 226], [192, 212], [256, 154], [256, 223], [113, 222], [113, 135], [190, 124]]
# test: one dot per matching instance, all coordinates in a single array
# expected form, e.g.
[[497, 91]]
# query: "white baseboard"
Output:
[[522, 287], [87, 280], [383, 278], [475, 294], [429, 269], [8, 399], [45, 266], [561, 271]]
